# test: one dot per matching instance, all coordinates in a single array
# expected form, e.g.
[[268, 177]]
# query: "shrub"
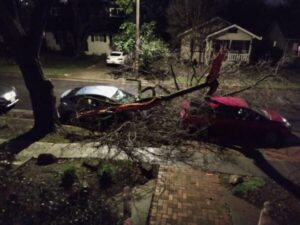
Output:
[[250, 184], [69, 176], [106, 173]]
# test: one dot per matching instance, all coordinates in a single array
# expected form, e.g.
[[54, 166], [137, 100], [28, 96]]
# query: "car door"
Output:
[[252, 124], [92, 102], [224, 121]]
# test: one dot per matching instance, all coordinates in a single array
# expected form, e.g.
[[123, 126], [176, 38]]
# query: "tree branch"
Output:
[[38, 23], [10, 25], [174, 78]]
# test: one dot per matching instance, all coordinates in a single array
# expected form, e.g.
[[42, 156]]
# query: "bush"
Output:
[[69, 176], [106, 174], [249, 184], [151, 48]]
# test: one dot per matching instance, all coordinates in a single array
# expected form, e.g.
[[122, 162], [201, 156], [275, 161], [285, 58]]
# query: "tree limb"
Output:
[[174, 78], [38, 23]]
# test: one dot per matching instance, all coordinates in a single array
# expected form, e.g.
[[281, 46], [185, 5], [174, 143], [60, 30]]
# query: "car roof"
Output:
[[116, 52], [228, 101], [106, 91]]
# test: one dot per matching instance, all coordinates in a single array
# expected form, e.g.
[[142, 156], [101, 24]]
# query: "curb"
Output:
[[19, 113]]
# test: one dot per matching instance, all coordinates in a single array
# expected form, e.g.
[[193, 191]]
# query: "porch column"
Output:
[[207, 51], [250, 50]]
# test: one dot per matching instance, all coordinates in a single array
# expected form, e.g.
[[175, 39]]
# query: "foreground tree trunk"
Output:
[[40, 90], [25, 45]]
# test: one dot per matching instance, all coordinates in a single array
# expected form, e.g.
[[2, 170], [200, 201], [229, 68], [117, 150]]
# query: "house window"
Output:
[[98, 38], [115, 12], [295, 48], [103, 38], [240, 47], [55, 11]]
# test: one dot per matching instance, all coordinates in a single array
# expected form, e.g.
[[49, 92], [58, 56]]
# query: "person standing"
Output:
[[219, 55]]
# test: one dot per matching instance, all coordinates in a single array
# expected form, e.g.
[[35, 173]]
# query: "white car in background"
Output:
[[116, 58]]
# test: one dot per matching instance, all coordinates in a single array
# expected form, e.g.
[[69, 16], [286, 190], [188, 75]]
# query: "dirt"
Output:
[[37, 195]]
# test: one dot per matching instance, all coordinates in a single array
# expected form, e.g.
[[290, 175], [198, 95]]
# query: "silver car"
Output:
[[8, 98], [90, 97]]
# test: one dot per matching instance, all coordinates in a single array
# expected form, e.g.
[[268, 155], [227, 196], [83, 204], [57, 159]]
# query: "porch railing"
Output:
[[238, 57]]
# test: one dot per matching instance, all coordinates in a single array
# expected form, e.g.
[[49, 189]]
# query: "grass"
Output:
[[249, 184], [14, 127], [54, 65]]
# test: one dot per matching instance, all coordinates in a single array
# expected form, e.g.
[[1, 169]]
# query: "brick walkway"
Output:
[[186, 196]]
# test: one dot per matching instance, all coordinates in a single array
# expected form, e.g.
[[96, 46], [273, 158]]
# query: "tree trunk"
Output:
[[40, 90]]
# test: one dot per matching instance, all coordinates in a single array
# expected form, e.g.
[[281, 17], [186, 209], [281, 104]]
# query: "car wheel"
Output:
[[273, 139], [67, 118]]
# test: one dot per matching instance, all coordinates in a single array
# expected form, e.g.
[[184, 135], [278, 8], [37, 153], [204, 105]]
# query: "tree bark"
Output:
[[40, 91]]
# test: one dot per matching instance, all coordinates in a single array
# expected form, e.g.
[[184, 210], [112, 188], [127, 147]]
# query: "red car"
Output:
[[235, 118]]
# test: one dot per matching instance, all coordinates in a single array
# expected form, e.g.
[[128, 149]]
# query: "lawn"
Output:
[[54, 65]]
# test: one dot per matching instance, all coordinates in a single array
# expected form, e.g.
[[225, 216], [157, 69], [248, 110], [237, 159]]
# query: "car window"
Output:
[[115, 54], [227, 112], [123, 97], [89, 103]]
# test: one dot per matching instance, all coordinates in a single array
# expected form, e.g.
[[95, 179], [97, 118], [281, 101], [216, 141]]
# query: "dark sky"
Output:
[[275, 2]]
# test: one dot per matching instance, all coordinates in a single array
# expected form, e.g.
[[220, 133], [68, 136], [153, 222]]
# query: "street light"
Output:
[[137, 41]]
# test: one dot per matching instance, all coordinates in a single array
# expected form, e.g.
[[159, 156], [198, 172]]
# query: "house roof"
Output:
[[234, 26], [211, 21], [225, 26]]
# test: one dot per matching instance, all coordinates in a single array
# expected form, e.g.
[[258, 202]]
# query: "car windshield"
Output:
[[123, 97], [259, 111], [115, 54]]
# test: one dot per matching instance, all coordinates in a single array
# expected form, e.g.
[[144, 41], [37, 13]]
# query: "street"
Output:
[[290, 110], [60, 85]]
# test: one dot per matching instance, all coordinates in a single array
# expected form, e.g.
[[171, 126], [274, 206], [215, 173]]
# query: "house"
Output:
[[286, 36], [197, 43], [85, 27]]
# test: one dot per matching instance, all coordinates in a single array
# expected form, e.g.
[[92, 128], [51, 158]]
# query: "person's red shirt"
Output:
[[216, 65]]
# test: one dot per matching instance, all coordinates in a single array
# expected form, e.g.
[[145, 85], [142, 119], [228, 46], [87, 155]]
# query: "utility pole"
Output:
[[137, 41]]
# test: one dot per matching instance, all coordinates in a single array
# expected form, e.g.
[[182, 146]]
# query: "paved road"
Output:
[[60, 85]]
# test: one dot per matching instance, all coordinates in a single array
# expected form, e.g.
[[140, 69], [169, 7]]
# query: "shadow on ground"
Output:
[[19, 143], [251, 150]]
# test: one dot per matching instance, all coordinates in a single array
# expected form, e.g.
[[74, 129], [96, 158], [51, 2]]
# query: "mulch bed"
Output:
[[35, 195]]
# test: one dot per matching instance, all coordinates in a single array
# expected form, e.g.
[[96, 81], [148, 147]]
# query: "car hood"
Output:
[[274, 116], [4, 89]]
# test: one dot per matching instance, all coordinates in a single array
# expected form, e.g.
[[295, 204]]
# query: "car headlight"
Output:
[[9, 95], [286, 123]]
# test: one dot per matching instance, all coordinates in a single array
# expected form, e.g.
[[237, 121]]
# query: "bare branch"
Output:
[[174, 78]]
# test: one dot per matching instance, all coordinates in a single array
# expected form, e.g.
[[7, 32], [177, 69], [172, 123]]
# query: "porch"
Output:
[[236, 57], [238, 50]]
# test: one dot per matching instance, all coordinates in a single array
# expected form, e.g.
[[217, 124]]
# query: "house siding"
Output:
[[97, 47], [200, 33], [51, 42], [239, 36]]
